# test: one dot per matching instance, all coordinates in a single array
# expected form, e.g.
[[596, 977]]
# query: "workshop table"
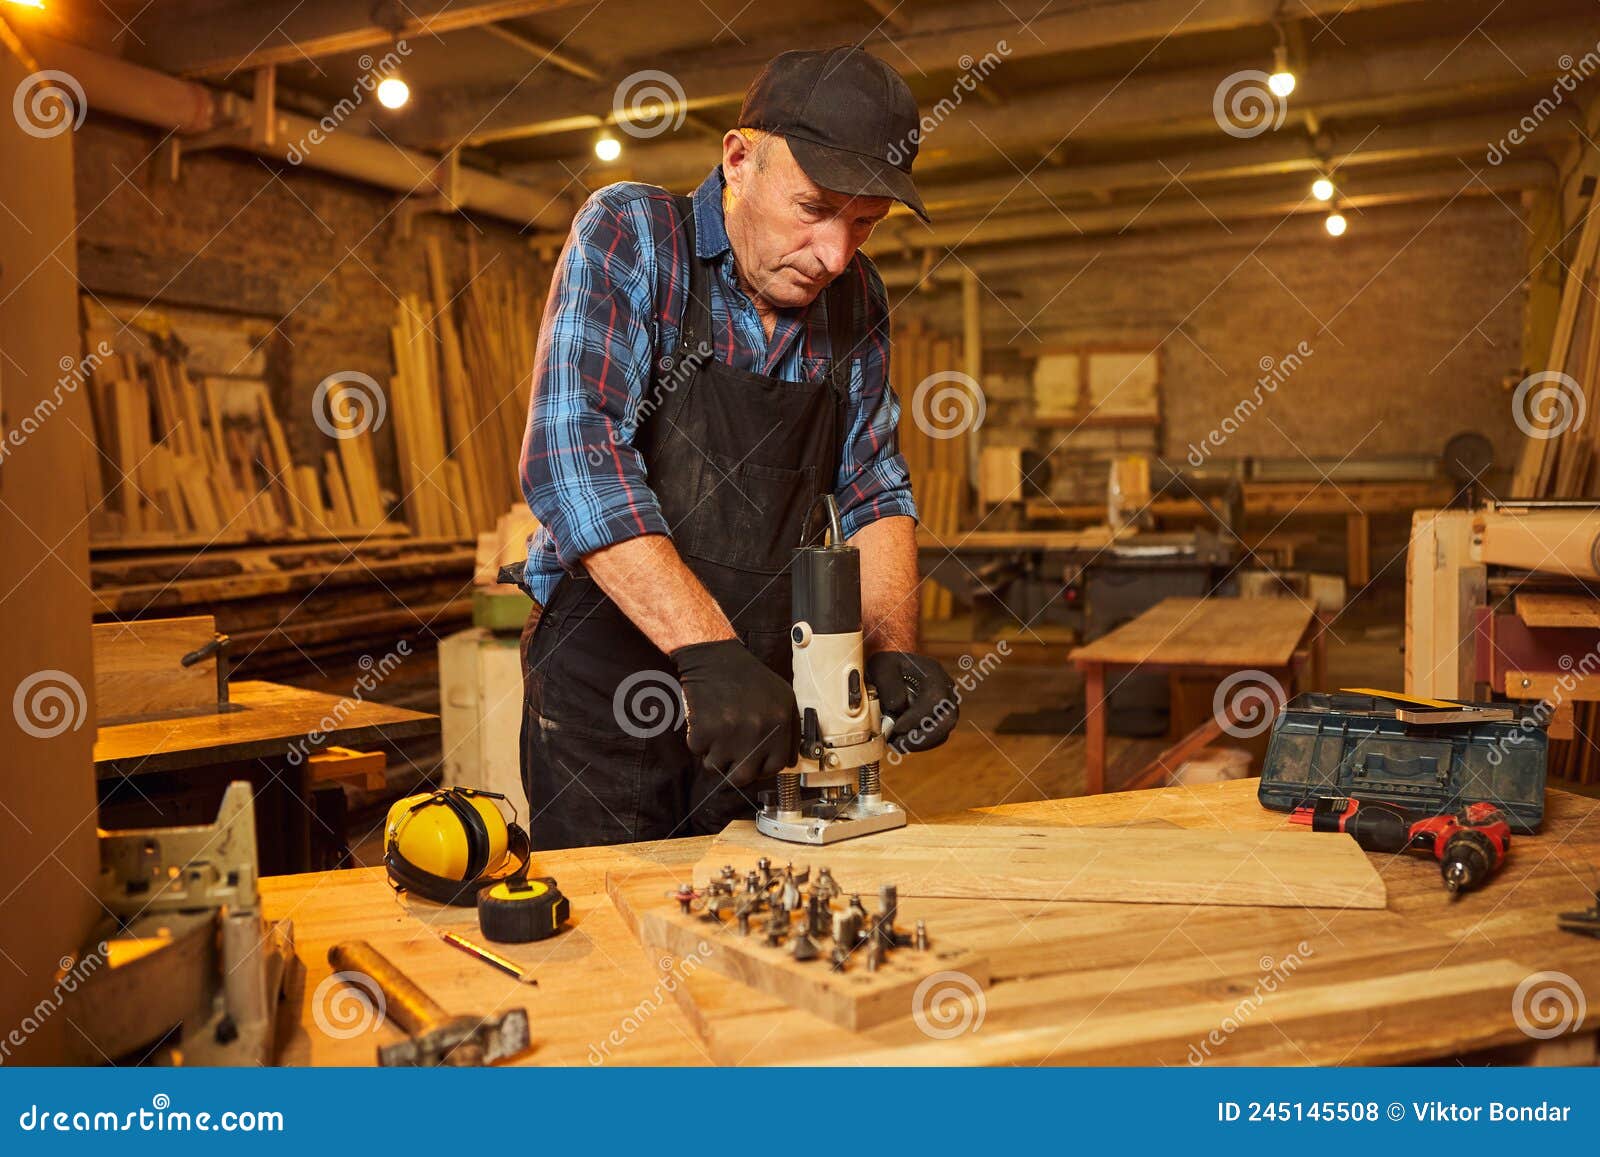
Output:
[[1272, 639], [264, 735], [1071, 983]]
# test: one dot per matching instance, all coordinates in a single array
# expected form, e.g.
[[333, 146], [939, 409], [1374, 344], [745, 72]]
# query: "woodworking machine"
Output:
[[832, 792]]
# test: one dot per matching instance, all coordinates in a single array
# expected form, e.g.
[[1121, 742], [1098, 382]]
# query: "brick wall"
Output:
[[1414, 328], [323, 254]]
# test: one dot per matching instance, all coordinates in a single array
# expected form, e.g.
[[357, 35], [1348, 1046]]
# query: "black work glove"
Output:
[[915, 692], [743, 721]]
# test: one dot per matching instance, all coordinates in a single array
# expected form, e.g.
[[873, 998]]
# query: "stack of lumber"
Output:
[[460, 394], [207, 459], [1559, 458], [500, 312], [305, 612], [938, 465]]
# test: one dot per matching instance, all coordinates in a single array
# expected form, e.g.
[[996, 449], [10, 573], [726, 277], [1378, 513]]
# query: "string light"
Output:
[[1281, 82], [393, 92], [1322, 188], [608, 148], [1335, 224]]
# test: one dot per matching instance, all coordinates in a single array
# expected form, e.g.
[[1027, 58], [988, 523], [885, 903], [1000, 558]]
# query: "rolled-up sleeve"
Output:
[[581, 475], [873, 480]]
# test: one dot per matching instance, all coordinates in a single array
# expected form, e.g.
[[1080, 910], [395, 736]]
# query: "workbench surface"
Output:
[[1093, 983], [263, 720]]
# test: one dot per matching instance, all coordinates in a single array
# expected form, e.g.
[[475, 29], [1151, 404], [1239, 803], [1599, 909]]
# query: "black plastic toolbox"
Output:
[[1341, 744]]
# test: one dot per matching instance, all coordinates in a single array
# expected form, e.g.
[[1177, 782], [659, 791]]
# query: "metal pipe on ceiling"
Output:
[[166, 102]]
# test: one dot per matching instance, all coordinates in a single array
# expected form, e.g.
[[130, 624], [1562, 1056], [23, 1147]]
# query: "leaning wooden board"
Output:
[[1296, 869]]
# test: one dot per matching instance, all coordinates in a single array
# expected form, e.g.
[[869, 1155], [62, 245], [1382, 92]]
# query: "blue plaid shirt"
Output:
[[615, 306]]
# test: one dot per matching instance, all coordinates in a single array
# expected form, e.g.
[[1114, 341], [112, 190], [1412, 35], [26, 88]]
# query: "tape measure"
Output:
[[518, 910]]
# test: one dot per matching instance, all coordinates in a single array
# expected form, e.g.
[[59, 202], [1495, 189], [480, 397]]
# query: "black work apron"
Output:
[[737, 461]]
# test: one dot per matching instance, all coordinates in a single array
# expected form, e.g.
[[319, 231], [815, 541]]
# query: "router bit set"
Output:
[[772, 904]]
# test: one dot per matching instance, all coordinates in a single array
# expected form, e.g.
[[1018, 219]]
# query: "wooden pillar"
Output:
[[972, 355], [49, 859]]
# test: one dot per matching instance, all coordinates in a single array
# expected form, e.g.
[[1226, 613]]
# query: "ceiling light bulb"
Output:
[[1281, 82], [1322, 189], [608, 148], [393, 92], [1335, 224]]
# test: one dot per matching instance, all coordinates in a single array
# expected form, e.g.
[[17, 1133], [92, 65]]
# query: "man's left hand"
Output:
[[915, 692]]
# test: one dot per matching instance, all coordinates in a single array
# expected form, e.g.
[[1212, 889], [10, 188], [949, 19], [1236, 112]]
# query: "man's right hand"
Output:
[[743, 721]]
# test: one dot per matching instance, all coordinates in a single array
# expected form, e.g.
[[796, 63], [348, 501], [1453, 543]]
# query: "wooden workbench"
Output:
[[265, 735], [1091, 983], [1268, 637]]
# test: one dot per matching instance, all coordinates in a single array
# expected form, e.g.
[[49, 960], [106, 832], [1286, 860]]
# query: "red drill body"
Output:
[[1469, 844]]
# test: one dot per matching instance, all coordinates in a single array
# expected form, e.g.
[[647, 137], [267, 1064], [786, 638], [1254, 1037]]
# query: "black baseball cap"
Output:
[[849, 118]]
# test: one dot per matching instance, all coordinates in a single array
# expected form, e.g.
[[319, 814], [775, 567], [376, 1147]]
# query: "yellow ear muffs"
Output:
[[446, 845]]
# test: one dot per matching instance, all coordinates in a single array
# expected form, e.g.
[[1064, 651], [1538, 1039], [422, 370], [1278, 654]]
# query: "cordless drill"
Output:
[[1469, 844]]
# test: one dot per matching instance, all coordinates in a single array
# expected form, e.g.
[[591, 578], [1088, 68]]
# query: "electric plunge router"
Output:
[[832, 792]]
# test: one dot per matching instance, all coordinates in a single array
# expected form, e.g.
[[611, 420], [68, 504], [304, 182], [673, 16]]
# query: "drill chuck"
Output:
[[1469, 857]]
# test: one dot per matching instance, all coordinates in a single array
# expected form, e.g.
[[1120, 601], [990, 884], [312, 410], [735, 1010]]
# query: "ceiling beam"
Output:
[[1274, 155], [1182, 208], [257, 32], [1369, 83], [935, 42], [1009, 264]]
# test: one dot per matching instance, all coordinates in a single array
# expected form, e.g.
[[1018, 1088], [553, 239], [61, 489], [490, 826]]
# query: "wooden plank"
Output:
[[363, 769], [1000, 862], [138, 673], [1089, 539], [1551, 686], [1220, 633], [1558, 542], [1558, 610], [338, 494], [855, 999]]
